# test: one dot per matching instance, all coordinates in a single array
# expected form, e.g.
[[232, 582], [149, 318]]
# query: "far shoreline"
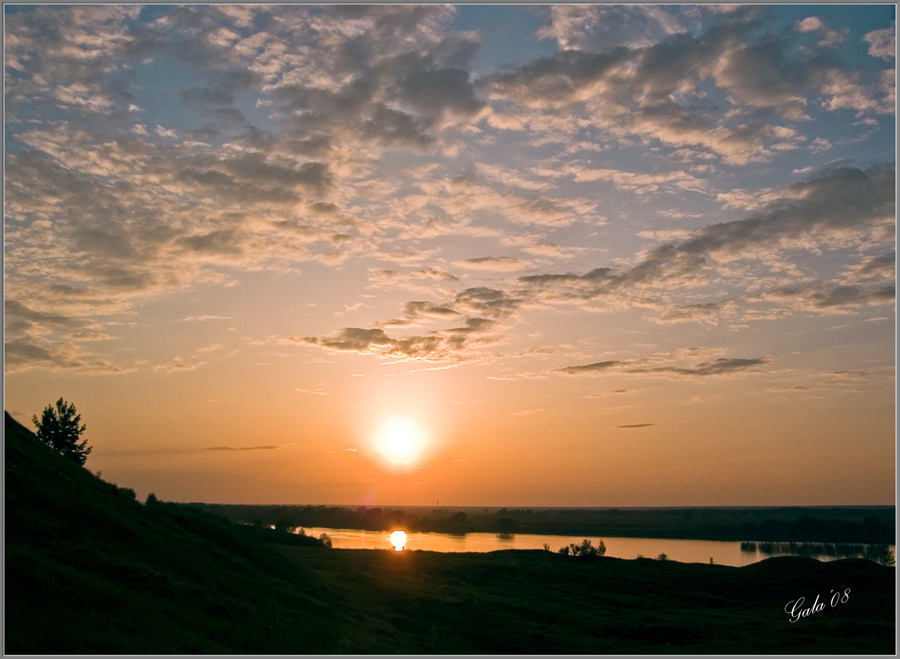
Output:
[[799, 524]]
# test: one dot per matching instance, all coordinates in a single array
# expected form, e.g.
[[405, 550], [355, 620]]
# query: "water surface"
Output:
[[684, 551]]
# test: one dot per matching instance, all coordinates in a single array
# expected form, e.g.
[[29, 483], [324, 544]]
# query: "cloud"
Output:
[[639, 183], [206, 317], [591, 27], [493, 263], [882, 43], [721, 366], [453, 345], [837, 209], [248, 448], [377, 136], [658, 88], [596, 367], [829, 298], [706, 312], [314, 392], [881, 268], [637, 425]]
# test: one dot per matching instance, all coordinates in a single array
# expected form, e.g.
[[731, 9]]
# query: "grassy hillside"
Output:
[[90, 570]]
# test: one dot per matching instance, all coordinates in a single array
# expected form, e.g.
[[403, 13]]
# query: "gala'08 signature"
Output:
[[795, 608]]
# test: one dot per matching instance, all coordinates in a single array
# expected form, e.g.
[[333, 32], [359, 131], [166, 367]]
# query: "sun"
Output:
[[398, 540], [400, 440]]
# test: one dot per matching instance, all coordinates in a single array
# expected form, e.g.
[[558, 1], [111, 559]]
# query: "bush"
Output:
[[127, 491], [585, 549]]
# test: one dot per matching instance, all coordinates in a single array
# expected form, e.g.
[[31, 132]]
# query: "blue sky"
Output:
[[636, 255]]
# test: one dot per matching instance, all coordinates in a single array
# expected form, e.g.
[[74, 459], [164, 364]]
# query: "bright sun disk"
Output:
[[400, 439], [398, 540]]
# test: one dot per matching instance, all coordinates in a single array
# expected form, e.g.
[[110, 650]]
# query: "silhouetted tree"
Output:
[[887, 558], [585, 549], [58, 428]]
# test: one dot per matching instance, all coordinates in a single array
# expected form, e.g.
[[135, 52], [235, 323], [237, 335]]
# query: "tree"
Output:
[[58, 428]]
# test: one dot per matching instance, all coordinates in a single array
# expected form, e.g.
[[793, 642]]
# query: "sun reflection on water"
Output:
[[398, 540]]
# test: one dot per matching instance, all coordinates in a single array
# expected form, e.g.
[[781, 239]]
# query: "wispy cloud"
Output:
[[249, 448]]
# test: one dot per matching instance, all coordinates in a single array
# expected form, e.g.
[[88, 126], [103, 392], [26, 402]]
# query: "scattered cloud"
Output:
[[721, 366], [493, 263], [249, 448]]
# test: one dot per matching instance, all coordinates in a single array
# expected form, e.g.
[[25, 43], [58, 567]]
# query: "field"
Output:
[[91, 570]]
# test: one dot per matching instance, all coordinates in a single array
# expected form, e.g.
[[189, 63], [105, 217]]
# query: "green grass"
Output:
[[91, 571]]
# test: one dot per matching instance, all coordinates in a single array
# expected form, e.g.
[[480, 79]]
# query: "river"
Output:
[[684, 551]]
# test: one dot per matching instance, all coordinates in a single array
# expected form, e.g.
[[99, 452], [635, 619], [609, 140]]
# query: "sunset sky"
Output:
[[600, 255]]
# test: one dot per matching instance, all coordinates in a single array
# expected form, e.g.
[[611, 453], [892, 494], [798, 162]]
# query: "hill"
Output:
[[89, 570]]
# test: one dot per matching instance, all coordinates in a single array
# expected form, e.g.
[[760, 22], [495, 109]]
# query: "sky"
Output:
[[598, 255]]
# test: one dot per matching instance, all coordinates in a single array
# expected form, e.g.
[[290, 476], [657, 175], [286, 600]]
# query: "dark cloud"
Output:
[[215, 242], [705, 312], [23, 353], [495, 263], [441, 93], [453, 345], [721, 366], [876, 268], [393, 128], [557, 80], [256, 167], [596, 367], [838, 207], [818, 296], [488, 302], [17, 310], [353, 339], [660, 89]]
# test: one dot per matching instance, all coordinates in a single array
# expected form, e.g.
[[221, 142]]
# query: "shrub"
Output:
[[585, 549]]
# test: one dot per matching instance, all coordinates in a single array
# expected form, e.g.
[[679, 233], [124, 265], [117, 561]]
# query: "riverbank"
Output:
[[851, 524], [722, 552]]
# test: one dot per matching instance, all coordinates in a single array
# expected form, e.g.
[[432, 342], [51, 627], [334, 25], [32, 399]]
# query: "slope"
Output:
[[91, 570]]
